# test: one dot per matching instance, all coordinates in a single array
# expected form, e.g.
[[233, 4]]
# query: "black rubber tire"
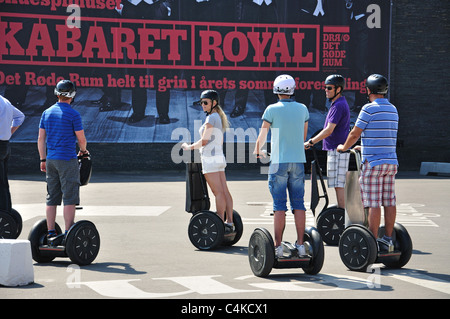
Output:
[[82, 243], [18, 219], [357, 248], [402, 242], [313, 237], [331, 225], [8, 226], [206, 230], [38, 237], [239, 226], [261, 252]]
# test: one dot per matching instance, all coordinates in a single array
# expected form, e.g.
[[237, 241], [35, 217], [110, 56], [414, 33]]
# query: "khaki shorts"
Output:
[[63, 182], [337, 167]]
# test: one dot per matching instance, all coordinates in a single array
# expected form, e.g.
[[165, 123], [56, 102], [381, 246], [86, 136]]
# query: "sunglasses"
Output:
[[329, 88], [204, 102]]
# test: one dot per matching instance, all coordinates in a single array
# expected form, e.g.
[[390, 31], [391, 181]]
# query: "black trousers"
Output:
[[5, 196]]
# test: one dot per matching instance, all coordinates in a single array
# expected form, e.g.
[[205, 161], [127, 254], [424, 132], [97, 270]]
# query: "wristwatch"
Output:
[[43, 160], [310, 141]]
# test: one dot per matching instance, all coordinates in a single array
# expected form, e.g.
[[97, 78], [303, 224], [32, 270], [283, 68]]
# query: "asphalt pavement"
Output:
[[146, 253]]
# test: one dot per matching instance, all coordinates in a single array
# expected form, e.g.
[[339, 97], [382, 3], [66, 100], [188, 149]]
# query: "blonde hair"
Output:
[[223, 117]]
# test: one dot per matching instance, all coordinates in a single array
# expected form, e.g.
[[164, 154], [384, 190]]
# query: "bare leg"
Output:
[[390, 212], [300, 220], [228, 198], [214, 182], [340, 195], [50, 212], [374, 220], [69, 216], [279, 224]]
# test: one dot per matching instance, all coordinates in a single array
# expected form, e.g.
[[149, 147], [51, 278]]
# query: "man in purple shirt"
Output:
[[335, 130]]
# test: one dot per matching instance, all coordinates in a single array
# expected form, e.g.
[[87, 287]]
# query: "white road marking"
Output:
[[29, 211]]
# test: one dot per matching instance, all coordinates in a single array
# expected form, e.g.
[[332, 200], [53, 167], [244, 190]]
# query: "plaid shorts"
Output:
[[337, 167], [378, 185]]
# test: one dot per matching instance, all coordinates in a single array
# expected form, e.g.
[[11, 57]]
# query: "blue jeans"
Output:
[[290, 176]]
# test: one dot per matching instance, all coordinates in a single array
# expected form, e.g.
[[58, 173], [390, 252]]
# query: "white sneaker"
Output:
[[279, 251], [301, 249]]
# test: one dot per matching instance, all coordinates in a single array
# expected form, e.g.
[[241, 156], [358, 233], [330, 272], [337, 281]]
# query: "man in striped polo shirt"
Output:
[[377, 124], [60, 129]]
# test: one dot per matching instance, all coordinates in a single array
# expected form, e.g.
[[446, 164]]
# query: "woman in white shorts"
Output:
[[211, 152]]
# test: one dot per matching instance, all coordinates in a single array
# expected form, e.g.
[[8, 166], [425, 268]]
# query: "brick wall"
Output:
[[419, 78]]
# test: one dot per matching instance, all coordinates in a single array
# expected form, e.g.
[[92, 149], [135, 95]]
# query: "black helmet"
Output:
[[377, 84], [65, 88], [336, 80], [210, 94]]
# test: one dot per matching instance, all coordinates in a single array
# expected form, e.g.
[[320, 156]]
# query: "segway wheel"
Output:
[[239, 226], [312, 236], [38, 237], [357, 248], [83, 243], [402, 243], [18, 219], [261, 252], [331, 224], [8, 227], [206, 230]]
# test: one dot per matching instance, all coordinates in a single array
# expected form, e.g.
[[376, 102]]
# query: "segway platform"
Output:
[[206, 229]]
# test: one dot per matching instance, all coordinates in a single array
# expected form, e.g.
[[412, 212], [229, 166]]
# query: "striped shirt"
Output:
[[379, 122], [60, 123]]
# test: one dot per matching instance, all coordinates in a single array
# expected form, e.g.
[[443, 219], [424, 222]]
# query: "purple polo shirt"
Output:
[[338, 114]]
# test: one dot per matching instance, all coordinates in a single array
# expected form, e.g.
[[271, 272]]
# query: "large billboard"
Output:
[[139, 65]]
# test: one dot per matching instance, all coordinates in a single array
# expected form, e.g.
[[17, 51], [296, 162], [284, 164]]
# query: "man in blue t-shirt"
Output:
[[288, 122], [377, 124], [60, 129]]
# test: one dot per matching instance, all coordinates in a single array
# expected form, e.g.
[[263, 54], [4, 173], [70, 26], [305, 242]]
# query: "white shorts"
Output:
[[212, 164], [337, 167]]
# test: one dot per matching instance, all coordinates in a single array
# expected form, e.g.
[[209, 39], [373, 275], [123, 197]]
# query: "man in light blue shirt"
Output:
[[377, 124], [10, 120], [288, 122]]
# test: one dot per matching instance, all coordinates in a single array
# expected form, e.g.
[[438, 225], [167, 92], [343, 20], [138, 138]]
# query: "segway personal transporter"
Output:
[[358, 247], [330, 221], [206, 229], [10, 224], [261, 253], [81, 243]]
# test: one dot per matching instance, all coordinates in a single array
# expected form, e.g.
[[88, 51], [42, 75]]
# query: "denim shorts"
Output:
[[291, 177]]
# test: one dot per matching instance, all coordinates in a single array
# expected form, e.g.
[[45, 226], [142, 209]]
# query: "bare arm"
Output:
[[82, 142], [352, 138], [206, 136], [327, 131], [42, 148], [261, 139]]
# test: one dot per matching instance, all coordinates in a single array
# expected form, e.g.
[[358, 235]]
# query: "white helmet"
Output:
[[284, 84]]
